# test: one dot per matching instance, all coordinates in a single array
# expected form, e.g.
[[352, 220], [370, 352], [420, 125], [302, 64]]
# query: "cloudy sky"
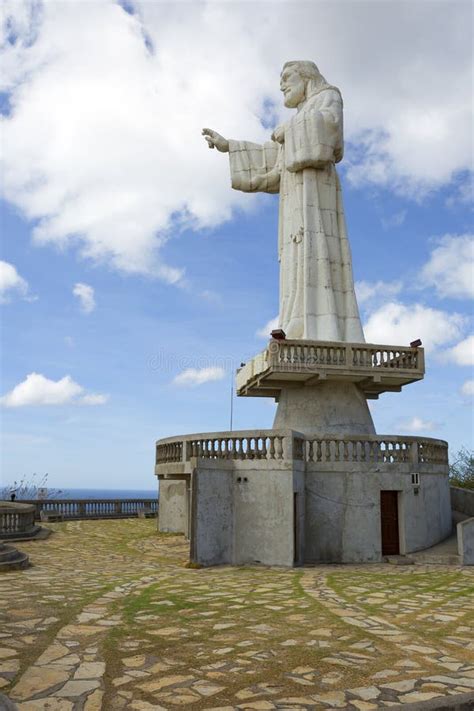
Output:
[[133, 279]]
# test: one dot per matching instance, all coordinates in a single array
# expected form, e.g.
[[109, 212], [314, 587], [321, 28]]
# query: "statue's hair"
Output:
[[309, 71]]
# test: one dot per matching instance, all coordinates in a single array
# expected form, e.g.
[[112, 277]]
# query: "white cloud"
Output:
[[398, 324], [11, 282], [36, 389], [417, 424], [468, 388], [266, 330], [103, 148], [450, 269], [199, 376], [94, 399], [367, 291], [395, 220], [85, 294], [462, 353]]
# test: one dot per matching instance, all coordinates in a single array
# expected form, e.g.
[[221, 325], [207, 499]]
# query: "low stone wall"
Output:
[[462, 500], [465, 533]]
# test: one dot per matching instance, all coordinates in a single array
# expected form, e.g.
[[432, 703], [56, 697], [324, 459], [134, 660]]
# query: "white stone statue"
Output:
[[317, 298]]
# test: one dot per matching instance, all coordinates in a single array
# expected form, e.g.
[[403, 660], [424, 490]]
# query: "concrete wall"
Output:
[[343, 513], [427, 516], [242, 512], [212, 527], [342, 518], [462, 500], [172, 512], [263, 516], [465, 531], [299, 489]]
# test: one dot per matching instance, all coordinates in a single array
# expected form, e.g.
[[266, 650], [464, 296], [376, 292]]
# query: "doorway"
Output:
[[389, 522]]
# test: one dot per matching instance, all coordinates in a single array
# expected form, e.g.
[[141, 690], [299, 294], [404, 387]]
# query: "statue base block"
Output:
[[332, 407], [280, 497]]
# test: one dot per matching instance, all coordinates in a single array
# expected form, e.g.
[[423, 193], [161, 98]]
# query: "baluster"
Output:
[[250, 448], [319, 454], [327, 450], [396, 452], [373, 451], [310, 450], [345, 450], [271, 453], [279, 443]]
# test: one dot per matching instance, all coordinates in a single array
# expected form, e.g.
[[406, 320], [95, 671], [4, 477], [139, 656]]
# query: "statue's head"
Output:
[[299, 80]]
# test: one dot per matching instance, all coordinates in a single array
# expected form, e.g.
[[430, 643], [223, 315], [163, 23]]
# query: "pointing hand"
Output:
[[215, 140]]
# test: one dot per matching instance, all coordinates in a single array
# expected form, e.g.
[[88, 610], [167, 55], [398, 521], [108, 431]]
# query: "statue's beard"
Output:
[[293, 99]]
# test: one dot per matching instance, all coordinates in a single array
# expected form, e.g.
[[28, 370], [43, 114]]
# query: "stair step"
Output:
[[12, 559], [437, 560], [7, 553], [399, 560]]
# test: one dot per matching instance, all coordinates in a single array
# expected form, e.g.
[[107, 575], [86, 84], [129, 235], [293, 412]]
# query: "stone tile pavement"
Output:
[[109, 618]]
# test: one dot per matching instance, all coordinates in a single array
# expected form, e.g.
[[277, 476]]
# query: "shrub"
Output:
[[461, 471]]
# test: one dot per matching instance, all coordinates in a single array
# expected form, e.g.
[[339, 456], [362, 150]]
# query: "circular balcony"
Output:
[[17, 521]]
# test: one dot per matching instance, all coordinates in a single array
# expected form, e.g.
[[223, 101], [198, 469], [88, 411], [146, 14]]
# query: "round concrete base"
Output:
[[326, 408]]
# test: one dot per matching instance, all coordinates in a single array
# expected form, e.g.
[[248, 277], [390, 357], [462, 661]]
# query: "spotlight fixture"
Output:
[[278, 334], [415, 344]]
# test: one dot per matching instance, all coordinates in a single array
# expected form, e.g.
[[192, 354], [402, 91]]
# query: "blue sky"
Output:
[[108, 184]]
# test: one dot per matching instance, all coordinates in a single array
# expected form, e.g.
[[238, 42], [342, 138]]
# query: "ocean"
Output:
[[104, 493]]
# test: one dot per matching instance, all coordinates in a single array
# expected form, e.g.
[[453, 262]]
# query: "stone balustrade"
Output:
[[278, 445], [386, 449], [92, 508], [298, 353], [16, 519], [375, 368], [253, 444]]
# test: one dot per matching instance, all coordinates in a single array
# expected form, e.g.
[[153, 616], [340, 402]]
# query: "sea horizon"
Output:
[[89, 493]]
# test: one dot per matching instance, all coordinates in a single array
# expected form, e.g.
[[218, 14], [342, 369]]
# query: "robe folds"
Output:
[[317, 297]]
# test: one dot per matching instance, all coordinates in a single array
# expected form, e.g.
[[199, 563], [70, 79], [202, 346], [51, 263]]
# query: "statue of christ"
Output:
[[317, 298]]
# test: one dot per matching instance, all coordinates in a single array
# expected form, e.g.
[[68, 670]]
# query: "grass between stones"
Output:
[[227, 636]]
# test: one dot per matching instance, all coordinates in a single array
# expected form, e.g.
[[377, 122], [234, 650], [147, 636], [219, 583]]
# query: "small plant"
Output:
[[27, 489], [461, 471]]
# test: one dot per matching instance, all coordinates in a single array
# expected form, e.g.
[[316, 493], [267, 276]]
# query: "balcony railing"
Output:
[[93, 508], [298, 354], [375, 368], [279, 445]]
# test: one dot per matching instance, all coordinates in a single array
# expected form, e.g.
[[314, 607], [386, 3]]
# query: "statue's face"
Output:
[[293, 87]]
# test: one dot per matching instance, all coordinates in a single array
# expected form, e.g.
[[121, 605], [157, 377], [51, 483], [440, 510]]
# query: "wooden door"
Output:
[[389, 522]]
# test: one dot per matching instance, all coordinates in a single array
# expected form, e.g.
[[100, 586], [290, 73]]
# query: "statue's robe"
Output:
[[317, 298]]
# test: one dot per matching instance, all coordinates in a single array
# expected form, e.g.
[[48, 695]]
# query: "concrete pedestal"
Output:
[[327, 408]]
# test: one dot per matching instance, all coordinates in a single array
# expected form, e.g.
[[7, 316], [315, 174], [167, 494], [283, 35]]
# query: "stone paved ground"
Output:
[[109, 618]]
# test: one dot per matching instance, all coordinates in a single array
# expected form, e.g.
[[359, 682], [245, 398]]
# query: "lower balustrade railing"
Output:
[[93, 508], [274, 445], [16, 519]]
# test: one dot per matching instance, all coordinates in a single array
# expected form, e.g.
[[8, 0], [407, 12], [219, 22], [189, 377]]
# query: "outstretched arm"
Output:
[[253, 168], [215, 140]]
